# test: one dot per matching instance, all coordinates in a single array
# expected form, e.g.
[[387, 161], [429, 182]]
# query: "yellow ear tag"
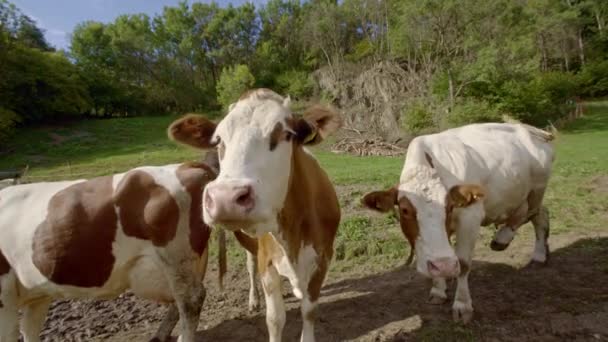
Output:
[[310, 137]]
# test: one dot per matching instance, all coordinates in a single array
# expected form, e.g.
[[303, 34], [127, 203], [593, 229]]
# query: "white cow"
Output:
[[273, 189], [464, 178]]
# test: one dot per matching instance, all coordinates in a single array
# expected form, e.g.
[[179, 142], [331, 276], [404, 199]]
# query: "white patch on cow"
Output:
[[275, 306], [423, 188], [504, 235], [300, 272], [248, 160], [308, 326]]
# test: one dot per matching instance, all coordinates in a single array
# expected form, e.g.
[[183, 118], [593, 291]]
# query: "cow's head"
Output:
[[425, 206], [255, 142]]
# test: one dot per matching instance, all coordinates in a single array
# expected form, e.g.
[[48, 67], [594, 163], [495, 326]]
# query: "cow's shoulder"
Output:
[[147, 206]]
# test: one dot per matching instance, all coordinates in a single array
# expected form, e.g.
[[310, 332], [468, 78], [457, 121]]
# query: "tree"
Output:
[[233, 82]]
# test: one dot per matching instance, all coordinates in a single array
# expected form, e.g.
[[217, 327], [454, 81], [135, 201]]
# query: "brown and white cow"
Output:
[[271, 187], [459, 180], [140, 230]]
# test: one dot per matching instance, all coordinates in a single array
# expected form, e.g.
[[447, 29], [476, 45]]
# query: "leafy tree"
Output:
[[232, 83]]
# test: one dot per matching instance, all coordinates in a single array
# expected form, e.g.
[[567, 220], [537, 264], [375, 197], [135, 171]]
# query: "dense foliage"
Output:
[[465, 60]]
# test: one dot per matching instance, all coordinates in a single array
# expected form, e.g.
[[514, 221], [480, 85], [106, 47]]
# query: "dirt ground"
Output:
[[564, 301]]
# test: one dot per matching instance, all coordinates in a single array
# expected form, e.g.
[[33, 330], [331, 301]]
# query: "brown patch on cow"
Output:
[[464, 267], [277, 135], [4, 269], [4, 265], [461, 196], [408, 221], [73, 246], [194, 130], [382, 201], [249, 243], [194, 177], [148, 211], [310, 217]]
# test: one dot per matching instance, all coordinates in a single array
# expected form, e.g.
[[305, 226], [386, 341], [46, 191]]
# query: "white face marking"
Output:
[[245, 137], [427, 194]]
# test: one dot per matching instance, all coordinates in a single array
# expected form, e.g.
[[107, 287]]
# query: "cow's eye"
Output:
[[289, 135], [221, 148]]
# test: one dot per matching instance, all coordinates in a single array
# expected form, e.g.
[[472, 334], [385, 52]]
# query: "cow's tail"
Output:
[[542, 134], [221, 241]]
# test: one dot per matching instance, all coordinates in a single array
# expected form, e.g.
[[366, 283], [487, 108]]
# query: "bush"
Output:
[[8, 121], [233, 82], [543, 99], [417, 119], [295, 83], [471, 111], [593, 79]]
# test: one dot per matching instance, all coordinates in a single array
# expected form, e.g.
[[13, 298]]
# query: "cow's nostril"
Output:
[[245, 198]]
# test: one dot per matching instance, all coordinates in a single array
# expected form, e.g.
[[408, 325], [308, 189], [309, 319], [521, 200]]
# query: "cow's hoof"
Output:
[[462, 312], [497, 246], [436, 299], [254, 307]]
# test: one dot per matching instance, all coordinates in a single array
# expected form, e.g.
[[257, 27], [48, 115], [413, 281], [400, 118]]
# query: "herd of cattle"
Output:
[[147, 230]]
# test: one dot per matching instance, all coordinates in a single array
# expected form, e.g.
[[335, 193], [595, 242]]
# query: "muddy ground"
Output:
[[564, 301]]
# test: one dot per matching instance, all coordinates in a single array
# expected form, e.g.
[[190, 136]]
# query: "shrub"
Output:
[[472, 111], [593, 79], [545, 98], [417, 118], [295, 83], [232, 83], [8, 121]]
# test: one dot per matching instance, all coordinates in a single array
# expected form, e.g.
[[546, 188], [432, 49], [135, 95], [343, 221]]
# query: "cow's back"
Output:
[[509, 160]]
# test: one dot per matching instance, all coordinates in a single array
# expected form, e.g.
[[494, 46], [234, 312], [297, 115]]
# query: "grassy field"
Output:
[[370, 247], [98, 147]]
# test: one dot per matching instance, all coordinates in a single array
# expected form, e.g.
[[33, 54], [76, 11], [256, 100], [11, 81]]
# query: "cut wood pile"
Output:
[[367, 147]]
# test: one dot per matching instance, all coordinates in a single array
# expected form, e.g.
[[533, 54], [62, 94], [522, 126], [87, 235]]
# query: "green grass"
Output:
[[98, 147]]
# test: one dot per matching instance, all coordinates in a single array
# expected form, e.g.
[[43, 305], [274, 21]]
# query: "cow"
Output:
[[463, 178], [141, 230], [272, 189]]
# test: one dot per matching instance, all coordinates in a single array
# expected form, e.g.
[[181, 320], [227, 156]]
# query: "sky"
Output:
[[59, 17]]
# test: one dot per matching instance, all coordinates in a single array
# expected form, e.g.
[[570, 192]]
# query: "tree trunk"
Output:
[[543, 65], [581, 47], [451, 88], [600, 26]]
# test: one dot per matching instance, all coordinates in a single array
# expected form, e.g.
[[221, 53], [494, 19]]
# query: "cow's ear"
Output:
[[194, 130], [464, 195], [382, 201], [316, 124]]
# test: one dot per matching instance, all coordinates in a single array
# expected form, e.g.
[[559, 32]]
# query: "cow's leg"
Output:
[[541, 229], [438, 295], [506, 232], [32, 321], [9, 319], [167, 325], [466, 236], [254, 296], [275, 307], [185, 278]]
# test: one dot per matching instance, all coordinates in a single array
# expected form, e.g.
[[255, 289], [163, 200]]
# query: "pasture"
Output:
[[369, 294]]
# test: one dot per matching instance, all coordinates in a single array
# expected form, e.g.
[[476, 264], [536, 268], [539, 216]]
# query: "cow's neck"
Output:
[[309, 203]]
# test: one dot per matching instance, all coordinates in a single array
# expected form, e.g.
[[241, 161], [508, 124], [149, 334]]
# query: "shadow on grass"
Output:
[[510, 304]]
